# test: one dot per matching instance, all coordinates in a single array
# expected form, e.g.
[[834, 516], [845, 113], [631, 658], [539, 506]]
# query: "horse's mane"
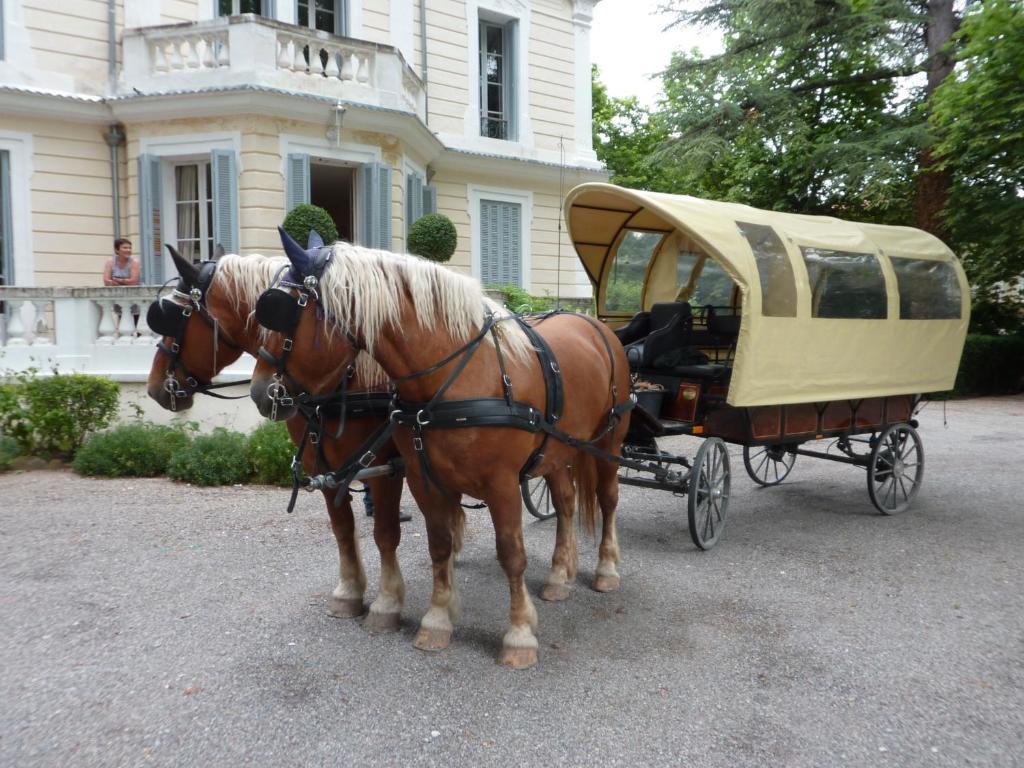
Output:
[[365, 289], [244, 278]]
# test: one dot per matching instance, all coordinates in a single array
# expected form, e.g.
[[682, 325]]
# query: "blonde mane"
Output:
[[364, 289], [244, 278]]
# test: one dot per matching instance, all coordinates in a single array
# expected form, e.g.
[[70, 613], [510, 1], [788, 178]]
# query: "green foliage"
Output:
[[218, 458], [991, 365], [433, 237], [978, 118], [520, 301], [132, 450], [9, 451], [51, 416], [305, 217], [270, 450]]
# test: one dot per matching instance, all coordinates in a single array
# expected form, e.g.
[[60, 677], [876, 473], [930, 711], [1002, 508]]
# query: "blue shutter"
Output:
[[429, 200], [7, 276], [511, 78], [340, 17], [413, 199], [149, 219], [501, 249], [297, 181], [376, 206], [225, 199]]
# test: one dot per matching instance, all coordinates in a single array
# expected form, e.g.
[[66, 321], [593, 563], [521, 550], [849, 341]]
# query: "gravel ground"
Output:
[[150, 623]]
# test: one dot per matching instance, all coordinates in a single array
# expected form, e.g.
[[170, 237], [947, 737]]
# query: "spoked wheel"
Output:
[[895, 469], [708, 494], [537, 497], [768, 464]]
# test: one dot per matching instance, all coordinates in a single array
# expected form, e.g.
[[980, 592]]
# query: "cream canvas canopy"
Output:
[[831, 309]]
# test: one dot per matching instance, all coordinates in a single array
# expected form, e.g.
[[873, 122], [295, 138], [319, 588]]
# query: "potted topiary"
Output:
[[305, 217], [433, 237]]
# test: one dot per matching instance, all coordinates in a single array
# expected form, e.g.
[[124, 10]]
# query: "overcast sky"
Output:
[[628, 45]]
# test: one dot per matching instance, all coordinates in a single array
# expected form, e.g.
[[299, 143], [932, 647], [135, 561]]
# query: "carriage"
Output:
[[769, 331]]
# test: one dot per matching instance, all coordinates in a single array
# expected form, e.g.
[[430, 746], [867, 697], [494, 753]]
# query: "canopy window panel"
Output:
[[929, 289]]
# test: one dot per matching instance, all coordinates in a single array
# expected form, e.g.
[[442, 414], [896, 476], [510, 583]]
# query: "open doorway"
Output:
[[332, 187]]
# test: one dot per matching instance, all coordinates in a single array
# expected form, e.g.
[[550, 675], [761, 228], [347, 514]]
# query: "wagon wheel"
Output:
[[895, 468], [537, 497], [768, 464], [708, 494]]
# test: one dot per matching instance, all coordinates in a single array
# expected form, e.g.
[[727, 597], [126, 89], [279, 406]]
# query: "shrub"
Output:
[[522, 302], [218, 458], [52, 416], [270, 450], [304, 217], [133, 450], [433, 237], [9, 451], [991, 365]]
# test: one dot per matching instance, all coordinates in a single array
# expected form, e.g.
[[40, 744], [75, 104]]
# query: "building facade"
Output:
[[202, 122]]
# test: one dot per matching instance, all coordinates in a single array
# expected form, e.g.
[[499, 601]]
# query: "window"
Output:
[[845, 285], [929, 290], [625, 282], [778, 287], [501, 247], [193, 211], [497, 80], [6, 251], [703, 281], [327, 15], [235, 7]]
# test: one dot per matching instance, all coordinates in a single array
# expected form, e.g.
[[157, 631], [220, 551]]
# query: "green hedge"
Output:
[[132, 450], [270, 450], [9, 451], [305, 217], [433, 237], [218, 458], [991, 365]]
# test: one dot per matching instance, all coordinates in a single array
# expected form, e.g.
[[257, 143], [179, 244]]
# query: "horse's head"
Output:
[[301, 355], [194, 348]]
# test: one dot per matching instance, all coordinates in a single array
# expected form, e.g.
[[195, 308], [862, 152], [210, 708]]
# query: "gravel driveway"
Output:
[[151, 623]]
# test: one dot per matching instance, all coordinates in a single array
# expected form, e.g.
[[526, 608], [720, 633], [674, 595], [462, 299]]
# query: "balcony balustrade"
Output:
[[250, 50]]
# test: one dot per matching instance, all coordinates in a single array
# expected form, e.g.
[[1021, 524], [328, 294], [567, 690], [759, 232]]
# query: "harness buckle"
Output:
[[367, 459], [175, 347], [420, 418], [417, 443], [302, 300], [314, 438], [287, 345], [506, 380], [191, 381], [186, 311], [554, 366]]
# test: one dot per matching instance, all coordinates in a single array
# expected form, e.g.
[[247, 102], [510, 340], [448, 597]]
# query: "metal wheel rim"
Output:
[[768, 464], [708, 493], [895, 469], [537, 497]]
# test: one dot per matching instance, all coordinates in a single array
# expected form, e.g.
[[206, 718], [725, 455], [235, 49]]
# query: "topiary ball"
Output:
[[433, 237], [305, 217]]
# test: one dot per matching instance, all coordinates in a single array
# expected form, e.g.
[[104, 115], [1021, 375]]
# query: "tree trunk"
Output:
[[933, 184]]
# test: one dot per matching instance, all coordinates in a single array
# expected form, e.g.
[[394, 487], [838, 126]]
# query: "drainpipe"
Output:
[[423, 60], [114, 138], [112, 45]]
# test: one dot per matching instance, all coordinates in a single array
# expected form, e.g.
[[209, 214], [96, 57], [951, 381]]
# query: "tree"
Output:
[[812, 106], [978, 119]]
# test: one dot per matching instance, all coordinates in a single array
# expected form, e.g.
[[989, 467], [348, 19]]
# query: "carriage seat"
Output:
[[672, 326], [637, 328]]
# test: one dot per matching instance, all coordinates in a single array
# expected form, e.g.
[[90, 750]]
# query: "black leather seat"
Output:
[[670, 323]]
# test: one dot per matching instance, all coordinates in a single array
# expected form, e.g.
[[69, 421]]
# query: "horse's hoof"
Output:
[[604, 583], [379, 623], [345, 607], [432, 639], [554, 593], [518, 658]]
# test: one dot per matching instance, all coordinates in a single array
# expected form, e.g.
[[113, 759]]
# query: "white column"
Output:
[[15, 326], [582, 16]]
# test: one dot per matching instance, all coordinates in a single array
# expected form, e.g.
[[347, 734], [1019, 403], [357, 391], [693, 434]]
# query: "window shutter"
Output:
[[510, 245], [413, 199], [341, 17], [429, 200], [511, 78], [225, 199], [500, 243], [149, 219], [376, 204], [297, 183], [7, 276]]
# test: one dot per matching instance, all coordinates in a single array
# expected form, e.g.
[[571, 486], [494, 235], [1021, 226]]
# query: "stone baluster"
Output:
[[192, 60], [364, 70], [223, 54], [316, 59], [174, 61], [106, 330], [332, 70], [208, 60], [15, 326], [284, 56], [347, 72], [41, 329], [159, 56], [125, 325], [145, 335]]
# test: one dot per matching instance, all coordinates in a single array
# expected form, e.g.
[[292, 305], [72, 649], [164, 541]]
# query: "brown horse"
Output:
[[215, 333], [413, 317]]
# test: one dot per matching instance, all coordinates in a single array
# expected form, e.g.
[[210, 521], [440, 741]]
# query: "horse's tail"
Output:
[[584, 477], [458, 528]]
